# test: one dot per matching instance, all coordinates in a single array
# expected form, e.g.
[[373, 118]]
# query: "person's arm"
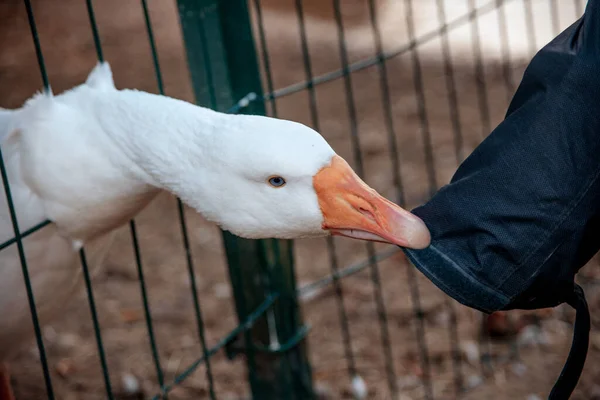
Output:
[[522, 214]]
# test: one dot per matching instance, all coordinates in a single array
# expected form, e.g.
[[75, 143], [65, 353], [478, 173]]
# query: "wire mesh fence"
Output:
[[388, 88]]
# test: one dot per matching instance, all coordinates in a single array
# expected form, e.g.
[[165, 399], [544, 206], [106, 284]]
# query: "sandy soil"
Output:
[[69, 53]]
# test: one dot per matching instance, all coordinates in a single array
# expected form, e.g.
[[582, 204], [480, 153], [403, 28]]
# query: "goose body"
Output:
[[91, 158]]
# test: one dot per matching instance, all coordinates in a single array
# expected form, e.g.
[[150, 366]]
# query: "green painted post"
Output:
[[224, 68]]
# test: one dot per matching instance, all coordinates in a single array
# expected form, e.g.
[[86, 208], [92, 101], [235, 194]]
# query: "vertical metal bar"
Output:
[[484, 113], [38, 47], [333, 259], [454, 344], [343, 314], [184, 234], [207, 65], [236, 277], [265, 53], [27, 279], [245, 77], [13, 217], [97, 333], [287, 329], [458, 147], [132, 228], [95, 33], [384, 86], [420, 90], [374, 268], [580, 6], [147, 314], [228, 62], [194, 287], [555, 17], [451, 86], [387, 109], [530, 26], [484, 109], [354, 138], [510, 89], [505, 48], [415, 295], [149, 31], [237, 281]]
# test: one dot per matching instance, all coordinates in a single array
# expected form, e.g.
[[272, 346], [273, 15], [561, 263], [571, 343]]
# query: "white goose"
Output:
[[91, 158]]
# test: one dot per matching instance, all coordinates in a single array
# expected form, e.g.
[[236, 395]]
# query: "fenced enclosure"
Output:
[[403, 90]]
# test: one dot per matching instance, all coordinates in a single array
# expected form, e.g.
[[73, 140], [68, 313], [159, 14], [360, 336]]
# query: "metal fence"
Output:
[[226, 73]]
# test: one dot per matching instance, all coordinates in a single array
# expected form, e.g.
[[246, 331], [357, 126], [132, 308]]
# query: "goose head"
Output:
[[274, 178]]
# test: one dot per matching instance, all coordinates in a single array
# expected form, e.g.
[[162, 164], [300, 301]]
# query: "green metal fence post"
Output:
[[224, 68]]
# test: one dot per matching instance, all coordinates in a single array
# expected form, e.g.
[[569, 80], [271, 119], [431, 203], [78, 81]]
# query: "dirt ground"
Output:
[[69, 54]]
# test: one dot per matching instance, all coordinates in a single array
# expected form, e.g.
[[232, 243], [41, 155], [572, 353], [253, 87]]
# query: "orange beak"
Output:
[[353, 209]]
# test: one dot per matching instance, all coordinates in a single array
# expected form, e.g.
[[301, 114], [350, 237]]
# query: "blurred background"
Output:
[[479, 59]]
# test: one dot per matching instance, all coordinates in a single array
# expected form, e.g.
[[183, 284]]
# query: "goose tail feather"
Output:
[[101, 77]]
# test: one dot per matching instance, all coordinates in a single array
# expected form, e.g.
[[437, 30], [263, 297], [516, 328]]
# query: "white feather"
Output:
[[91, 158], [101, 77]]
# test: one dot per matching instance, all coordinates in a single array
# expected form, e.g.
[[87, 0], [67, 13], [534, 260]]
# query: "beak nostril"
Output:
[[367, 213]]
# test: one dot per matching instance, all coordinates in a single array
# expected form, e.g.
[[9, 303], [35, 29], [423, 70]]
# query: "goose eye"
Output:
[[276, 181]]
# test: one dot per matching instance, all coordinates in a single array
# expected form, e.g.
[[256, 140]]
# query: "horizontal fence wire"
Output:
[[244, 327], [24, 234], [373, 61], [309, 289]]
